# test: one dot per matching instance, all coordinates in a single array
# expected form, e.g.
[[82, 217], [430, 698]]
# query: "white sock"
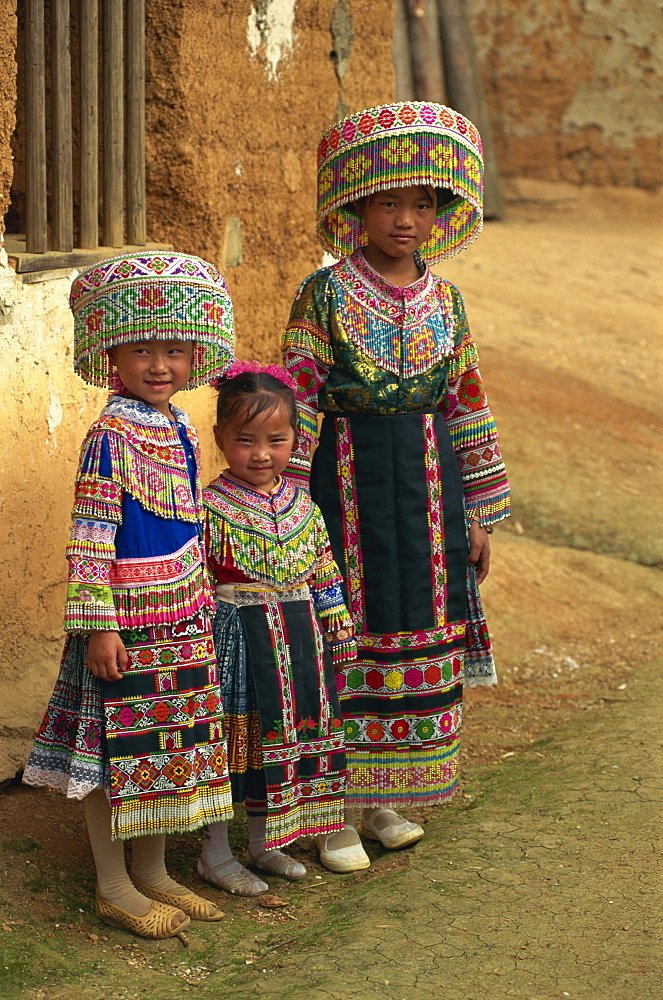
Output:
[[273, 861], [148, 864], [257, 831], [216, 846], [219, 865], [113, 880]]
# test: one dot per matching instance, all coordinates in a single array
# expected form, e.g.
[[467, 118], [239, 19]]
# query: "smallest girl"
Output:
[[281, 629]]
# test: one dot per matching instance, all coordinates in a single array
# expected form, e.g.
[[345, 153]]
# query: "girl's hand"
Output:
[[479, 550], [106, 655]]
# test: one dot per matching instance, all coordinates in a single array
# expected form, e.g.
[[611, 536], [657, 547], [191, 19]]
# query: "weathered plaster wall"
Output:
[[237, 95], [574, 88]]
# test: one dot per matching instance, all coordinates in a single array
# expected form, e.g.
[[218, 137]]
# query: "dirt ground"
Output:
[[562, 299]]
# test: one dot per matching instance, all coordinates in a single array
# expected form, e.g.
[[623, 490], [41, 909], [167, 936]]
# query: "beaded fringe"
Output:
[[174, 813], [392, 779], [252, 553], [468, 432], [304, 820], [168, 605], [143, 473]]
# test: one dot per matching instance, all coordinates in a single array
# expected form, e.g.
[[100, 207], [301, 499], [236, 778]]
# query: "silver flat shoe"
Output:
[[237, 883]]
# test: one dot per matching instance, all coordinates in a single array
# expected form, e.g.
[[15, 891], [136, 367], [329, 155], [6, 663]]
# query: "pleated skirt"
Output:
[[283, 719], [154, 740]]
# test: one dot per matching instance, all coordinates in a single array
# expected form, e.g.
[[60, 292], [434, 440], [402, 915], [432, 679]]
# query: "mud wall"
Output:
[[7, 96], [231, 149], [574, 88]]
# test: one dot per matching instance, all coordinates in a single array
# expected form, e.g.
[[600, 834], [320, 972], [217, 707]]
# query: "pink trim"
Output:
[[351, 530], [438, 561], [240, 367]]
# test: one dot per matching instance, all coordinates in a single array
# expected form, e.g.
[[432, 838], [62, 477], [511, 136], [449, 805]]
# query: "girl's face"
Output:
[[397, 222], [154, 370], [257, 452]]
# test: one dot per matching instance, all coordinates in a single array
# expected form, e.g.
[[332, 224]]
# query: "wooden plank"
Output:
[[62, 192], [25, 262], [465, 91], [113, 122], [89, 82], [135, 87], [426, 51], [35, 128]]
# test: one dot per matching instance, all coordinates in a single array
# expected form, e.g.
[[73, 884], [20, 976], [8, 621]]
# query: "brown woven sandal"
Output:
[[156, 924], [196, 907]]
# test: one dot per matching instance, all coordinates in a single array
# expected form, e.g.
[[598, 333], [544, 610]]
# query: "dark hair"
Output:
[[443, 197], [251, 394]]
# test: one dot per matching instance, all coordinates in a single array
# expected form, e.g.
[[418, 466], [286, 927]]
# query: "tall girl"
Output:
[[134, 727], [280, 624], [408, 471]]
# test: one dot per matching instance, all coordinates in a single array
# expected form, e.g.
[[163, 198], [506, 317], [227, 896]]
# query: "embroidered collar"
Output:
[[273, 538], [142, 413], [406, 331], [373, 277], [276, 501]]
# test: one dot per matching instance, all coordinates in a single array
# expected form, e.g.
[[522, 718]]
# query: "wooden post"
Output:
[[113, 122], [136, 225], [35, 129], [465, 92], [63, 215], [402, 54], [426, 51], [89, 57]]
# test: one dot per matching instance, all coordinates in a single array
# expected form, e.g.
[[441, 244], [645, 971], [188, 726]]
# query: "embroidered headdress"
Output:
[[148, 294], [401, 145]]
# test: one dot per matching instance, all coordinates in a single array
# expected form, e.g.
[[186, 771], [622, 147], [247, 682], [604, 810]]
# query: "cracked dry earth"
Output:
[[541, 881]]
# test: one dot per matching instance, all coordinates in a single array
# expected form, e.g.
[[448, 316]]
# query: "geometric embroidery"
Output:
[[170, 739], [435, 519], [164, 680]]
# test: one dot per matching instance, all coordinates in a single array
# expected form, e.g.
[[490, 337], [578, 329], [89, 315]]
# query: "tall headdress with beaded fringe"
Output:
[[400, 145], [149, 294]]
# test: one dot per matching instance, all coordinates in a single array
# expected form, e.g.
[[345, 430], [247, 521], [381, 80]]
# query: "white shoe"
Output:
[[389, 828], [347, 856]]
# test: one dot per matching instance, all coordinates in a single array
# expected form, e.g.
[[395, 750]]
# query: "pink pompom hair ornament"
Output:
[[240, 367]]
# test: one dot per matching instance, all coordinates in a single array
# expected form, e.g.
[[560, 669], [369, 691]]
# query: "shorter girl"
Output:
[[278, 590]]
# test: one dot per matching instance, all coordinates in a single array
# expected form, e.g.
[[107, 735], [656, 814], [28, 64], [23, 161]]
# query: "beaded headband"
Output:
[[148, 295], [240, 367], [401, 145]]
